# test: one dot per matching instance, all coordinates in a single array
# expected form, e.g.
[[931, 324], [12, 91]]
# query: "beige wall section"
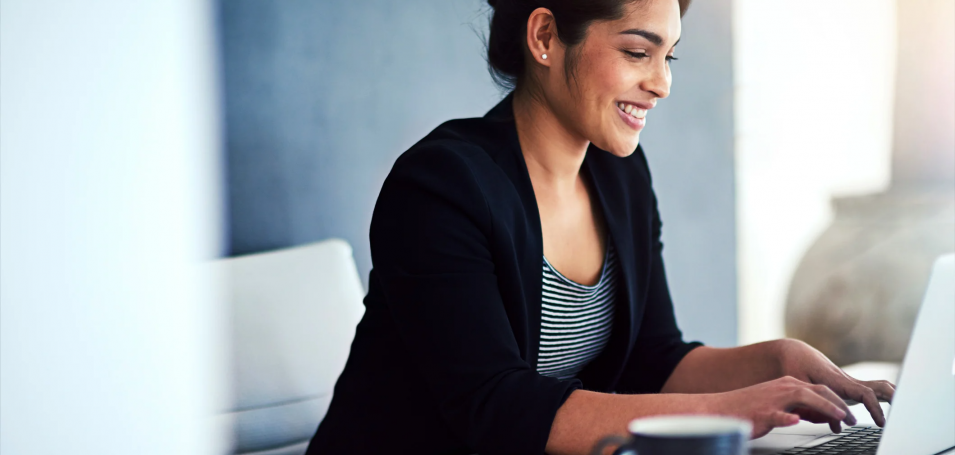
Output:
[[924, 145], [814, 83]]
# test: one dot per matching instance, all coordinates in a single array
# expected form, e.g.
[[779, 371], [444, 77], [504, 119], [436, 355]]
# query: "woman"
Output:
[[518, 302]]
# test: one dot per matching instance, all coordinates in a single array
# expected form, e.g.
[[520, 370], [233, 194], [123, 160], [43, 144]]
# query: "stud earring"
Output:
[[544, 56]]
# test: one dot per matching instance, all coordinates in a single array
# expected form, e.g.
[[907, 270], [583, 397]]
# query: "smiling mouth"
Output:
[[632, 110], [632, 115]]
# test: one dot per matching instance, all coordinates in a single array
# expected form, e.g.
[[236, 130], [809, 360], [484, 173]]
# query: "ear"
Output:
[[542, 38]]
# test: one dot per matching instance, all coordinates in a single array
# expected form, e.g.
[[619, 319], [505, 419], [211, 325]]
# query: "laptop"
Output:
[[921, 419]]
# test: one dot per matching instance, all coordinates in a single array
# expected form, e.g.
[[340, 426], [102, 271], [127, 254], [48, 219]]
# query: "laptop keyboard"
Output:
[[852, 440]]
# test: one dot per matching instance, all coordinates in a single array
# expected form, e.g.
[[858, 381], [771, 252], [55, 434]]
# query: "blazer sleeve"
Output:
[[659, 346], [430, 245]]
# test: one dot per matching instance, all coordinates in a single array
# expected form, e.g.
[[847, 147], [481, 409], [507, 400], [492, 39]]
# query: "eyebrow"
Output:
[[650, 36]]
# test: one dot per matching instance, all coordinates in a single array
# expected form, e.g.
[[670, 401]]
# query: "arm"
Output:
[[695, 380], [708, 370], [586, 416]]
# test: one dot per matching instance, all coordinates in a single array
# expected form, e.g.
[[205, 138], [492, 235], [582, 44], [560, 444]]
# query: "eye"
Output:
[[636, 55], [671, 58]]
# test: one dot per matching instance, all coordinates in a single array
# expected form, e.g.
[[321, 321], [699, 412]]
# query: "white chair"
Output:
[[294, 313]]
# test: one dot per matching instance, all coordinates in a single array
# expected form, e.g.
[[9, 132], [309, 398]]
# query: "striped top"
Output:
[[575, 319]]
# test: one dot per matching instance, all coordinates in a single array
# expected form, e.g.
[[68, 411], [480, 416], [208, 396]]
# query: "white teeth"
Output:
[[632, 110]]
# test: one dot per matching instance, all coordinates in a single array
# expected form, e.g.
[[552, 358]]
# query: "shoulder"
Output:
[[444, 175], [459, 155], [455, 145]]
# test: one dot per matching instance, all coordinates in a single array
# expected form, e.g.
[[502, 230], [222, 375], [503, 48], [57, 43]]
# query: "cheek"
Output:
[[610, 77], [617, 77], [607, 80], [604, 77], [613, 80]]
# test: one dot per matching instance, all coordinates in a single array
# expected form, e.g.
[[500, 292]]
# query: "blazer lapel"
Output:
[[511, 161], [614, 199]]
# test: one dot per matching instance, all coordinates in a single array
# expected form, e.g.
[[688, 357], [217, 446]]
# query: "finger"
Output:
[[828, 394], [836, 427], [867, 397], [884, 390], [808, 398], [783, 419], [811, 416]]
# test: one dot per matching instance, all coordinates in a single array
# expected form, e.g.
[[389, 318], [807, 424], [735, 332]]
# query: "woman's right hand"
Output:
[[782, 402]]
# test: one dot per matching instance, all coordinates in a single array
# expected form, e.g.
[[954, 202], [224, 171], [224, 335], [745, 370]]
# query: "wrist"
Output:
[[716, 403], [787, 351]]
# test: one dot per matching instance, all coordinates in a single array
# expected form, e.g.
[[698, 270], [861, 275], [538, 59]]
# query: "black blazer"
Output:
[[444, 359]]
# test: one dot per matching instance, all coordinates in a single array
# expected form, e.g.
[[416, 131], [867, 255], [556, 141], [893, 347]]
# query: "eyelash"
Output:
[[639, 55]]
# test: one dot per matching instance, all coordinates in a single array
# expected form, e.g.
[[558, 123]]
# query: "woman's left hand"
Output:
[[807, 364]]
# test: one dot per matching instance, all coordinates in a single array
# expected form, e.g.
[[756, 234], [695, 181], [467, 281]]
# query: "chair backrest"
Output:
[[294, 317]]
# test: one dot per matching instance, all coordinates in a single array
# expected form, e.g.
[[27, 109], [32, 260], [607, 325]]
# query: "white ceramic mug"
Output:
[[684, 435]]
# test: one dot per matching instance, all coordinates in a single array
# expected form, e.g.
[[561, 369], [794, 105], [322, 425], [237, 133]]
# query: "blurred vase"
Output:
[[855, 294]]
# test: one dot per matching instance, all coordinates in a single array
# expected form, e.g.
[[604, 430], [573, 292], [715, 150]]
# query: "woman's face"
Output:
[[622, 70]]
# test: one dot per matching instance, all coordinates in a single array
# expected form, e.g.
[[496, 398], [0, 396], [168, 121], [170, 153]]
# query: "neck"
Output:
[[553, 153]]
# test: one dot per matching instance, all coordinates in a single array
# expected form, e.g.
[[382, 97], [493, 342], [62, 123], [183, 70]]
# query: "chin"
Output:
[[621, 147]]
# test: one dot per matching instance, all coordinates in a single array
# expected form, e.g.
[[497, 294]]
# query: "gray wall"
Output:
[[689, 144], [321, 97]]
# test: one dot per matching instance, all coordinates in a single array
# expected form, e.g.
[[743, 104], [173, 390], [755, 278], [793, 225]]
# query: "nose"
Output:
[[657, 80]]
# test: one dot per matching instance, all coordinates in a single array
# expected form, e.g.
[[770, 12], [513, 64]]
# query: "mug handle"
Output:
[[612, 440]]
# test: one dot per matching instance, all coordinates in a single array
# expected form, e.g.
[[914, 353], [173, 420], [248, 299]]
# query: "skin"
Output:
[[771, 384]]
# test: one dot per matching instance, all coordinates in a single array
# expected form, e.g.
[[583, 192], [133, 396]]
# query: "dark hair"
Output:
[[506, 44]]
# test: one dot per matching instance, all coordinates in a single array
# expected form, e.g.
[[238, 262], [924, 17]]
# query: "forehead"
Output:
[[661, 17]]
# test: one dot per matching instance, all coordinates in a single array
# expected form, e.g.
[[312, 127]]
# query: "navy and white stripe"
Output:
[[575, 319]]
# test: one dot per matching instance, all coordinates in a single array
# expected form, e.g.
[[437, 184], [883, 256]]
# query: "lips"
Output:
[[634, 116]]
